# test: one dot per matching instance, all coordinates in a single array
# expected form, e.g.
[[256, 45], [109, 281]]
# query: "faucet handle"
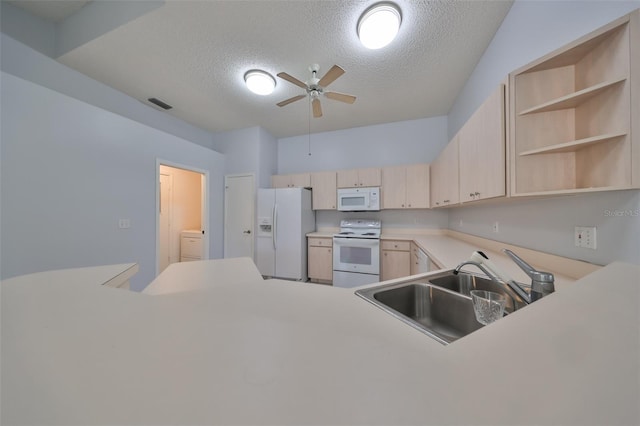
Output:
[[541, 282], [528, 269]]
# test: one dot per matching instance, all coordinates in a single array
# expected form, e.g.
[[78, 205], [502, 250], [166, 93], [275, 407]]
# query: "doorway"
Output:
[[239, 208], [181, 206]]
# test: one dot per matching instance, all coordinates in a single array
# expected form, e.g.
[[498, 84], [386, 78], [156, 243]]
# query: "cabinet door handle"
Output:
[[477, 194], [248, 231], [446, 201]]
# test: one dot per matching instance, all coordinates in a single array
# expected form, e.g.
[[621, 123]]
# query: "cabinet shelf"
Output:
[[574, 99], [570, 191], [573, 145], [573, 116]]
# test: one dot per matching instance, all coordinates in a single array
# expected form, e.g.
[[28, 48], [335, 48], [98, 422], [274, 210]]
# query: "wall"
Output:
[[404, 142], [20, 60], [390, 219], [240, 148], [548, 224], [35, 32], [70, 171], [251, 150], [186, 205], [530, 30], [267, 158]]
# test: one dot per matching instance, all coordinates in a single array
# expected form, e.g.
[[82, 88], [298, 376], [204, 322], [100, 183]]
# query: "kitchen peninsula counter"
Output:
[[280, 352]]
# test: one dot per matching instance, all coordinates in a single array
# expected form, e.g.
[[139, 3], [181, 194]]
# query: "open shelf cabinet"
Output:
[[574, 115]]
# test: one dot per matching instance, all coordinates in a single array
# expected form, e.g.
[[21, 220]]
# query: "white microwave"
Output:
[[359, 199]]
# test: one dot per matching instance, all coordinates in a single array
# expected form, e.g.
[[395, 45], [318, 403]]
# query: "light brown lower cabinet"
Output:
[[320, 259], [420, 262], [395, 259]]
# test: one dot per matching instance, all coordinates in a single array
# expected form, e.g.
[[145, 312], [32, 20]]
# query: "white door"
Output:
[[165, 222], [239, 207]]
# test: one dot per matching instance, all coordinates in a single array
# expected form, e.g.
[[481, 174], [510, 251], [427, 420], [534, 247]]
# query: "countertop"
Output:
[[280, 352], [187, 276], [448, 252]]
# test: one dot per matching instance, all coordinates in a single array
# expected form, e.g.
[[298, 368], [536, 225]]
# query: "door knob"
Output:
[[248, 231]]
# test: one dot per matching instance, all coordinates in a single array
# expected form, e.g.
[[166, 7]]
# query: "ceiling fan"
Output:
[[315, 88]]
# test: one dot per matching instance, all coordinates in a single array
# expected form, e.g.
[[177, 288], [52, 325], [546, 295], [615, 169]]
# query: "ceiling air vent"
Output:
[[160, 104]]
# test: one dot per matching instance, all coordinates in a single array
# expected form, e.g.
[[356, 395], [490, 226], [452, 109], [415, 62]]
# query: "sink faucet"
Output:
[[541, 282], [477, 265]]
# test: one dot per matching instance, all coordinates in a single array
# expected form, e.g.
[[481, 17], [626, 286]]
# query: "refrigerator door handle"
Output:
[[275, 226]]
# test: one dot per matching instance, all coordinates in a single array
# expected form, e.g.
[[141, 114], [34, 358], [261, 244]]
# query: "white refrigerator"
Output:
[[284, 219]]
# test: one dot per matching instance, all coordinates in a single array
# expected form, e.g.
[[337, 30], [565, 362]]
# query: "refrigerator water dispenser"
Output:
[[265, 226]]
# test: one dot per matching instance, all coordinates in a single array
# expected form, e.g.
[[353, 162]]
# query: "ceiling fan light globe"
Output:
[[260, 82], [379, 25]]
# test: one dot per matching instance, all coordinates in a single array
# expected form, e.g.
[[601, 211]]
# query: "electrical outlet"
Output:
[[496, 227], [585, 237]]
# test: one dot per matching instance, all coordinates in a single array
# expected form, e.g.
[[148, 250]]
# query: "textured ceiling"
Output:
[[193, 55]]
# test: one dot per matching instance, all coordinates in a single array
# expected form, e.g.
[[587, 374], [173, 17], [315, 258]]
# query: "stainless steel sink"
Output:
[[463, 283], [438, 305], [440, 313]]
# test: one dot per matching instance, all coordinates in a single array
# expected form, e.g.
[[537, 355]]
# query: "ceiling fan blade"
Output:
[[290, 79], [288, 101], [331, 76], [317, 108], [340, 97]]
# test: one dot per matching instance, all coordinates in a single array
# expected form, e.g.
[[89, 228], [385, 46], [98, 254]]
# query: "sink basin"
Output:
[[440, 313], [463, 283]]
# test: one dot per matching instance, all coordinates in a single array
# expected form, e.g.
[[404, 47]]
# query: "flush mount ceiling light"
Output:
[[260, 82], [379, 25]]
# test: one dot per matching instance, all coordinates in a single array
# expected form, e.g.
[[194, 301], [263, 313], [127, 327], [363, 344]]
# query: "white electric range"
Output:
[[356, 253]]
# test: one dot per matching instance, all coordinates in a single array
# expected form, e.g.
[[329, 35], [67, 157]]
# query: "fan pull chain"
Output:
[[309, 127]]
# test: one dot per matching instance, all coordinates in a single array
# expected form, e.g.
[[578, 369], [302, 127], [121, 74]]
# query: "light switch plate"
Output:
[[124, 223], [585, 237]]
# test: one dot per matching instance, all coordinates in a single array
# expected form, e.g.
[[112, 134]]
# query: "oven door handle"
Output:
[[356, 242]]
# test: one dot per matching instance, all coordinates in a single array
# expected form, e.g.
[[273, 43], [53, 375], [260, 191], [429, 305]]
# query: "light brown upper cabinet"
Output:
[[482, 151], [324, 187], [300, 180], [405, 187], [574, 123], [444, 177], [359, 177]]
